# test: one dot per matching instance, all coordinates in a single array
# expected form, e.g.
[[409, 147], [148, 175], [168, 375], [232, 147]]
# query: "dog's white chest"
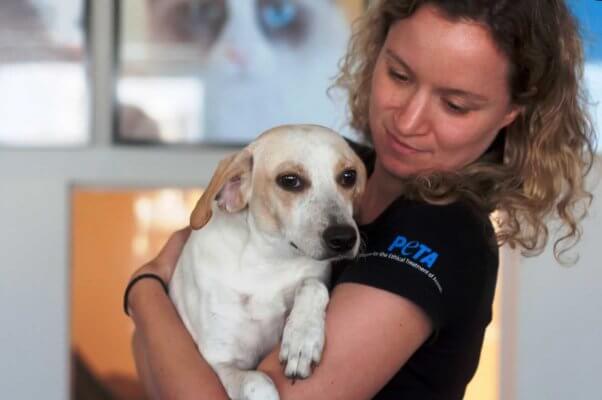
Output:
[[245, 325], [234, 305]]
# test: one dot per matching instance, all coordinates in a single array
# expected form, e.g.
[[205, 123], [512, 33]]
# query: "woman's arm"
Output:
[[167, 358], [370, 334], [168, 361]]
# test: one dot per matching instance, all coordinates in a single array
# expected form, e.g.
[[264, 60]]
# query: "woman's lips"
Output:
[[402, 147]]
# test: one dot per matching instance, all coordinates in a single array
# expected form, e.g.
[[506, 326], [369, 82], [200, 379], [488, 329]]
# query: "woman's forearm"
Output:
[[167, 358]]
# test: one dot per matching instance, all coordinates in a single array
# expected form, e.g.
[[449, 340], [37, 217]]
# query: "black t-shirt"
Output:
[[445, 260]]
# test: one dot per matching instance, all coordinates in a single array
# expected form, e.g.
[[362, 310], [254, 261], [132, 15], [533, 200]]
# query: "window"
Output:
[[43, 74]]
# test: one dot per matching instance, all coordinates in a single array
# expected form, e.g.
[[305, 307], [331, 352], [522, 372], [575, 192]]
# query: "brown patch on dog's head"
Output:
[[264, 206], [352, 162]]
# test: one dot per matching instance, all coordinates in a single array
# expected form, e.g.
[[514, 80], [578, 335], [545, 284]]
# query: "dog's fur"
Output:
[[256, 271]]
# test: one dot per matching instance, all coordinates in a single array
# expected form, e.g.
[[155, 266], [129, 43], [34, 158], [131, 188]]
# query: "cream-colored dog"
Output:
[[273, 217]]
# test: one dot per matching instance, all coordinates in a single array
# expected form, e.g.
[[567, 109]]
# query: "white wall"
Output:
[[559, 319]]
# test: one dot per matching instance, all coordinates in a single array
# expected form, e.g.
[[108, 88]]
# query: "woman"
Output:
[[471, 107]]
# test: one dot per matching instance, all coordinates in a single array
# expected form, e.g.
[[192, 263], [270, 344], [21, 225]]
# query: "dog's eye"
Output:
[[290, 182], [347, 178]]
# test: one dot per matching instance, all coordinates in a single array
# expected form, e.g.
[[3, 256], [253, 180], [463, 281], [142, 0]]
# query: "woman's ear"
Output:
[[230, 186], [512, 113]]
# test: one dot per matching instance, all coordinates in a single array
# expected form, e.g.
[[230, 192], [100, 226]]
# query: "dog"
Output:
[[273, 217]]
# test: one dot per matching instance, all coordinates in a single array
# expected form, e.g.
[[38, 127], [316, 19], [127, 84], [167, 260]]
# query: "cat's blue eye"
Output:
[[284, 21], [280, 15]]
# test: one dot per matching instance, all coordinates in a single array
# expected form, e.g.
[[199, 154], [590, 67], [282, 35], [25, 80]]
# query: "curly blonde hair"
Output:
[[536, 167]]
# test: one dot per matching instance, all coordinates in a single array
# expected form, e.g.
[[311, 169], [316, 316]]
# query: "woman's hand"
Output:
[[164, 263]]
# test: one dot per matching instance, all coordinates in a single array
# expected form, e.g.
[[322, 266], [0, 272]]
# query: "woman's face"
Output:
[[439, 94]]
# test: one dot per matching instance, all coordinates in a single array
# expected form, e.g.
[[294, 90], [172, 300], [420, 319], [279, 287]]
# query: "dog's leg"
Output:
[[304, 332], [246, 385]]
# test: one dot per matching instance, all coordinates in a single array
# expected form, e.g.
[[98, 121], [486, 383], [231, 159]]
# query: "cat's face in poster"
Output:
[[256, 52], [202, 22]]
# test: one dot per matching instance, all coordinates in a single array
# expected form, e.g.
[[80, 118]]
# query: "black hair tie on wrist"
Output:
[[133, 282]]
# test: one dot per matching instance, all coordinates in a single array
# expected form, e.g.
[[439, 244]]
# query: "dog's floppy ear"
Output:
[[230, 186]]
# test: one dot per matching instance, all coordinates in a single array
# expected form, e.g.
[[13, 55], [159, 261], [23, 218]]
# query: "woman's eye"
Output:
[[290, 182], [456, 109], [397, 76], [347, 178]]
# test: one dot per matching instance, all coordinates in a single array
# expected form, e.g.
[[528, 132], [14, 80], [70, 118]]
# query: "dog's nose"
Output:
[[340, 238]]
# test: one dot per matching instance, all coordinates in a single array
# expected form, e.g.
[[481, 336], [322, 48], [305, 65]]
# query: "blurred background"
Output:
[[113, 117]]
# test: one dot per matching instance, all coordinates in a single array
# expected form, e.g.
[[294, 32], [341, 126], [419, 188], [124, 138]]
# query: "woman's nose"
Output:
[[411, 117]]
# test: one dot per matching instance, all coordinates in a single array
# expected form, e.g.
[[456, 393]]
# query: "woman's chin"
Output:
[[402, 168]]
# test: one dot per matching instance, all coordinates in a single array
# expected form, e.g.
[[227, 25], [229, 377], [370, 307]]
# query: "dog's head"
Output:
[[301, 184]]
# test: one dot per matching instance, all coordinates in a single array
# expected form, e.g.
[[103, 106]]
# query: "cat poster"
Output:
[[223, 71], [589, 14], [43, 74]]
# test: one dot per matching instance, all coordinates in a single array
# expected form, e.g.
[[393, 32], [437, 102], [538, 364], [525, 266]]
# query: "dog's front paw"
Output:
[[302, 344], [258, 386]]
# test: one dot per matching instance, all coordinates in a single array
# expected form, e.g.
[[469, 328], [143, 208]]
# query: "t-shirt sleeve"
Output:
[[438, 257]]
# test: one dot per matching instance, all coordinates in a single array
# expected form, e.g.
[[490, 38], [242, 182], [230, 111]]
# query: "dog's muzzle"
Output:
[[340, 238]]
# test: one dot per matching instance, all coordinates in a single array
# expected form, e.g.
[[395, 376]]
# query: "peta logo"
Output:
[[414, 250]]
